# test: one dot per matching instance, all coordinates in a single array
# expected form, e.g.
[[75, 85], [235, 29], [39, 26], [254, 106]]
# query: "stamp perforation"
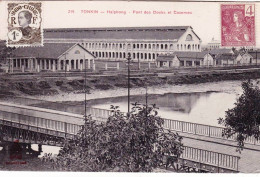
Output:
[[237, 26], [24, 24]]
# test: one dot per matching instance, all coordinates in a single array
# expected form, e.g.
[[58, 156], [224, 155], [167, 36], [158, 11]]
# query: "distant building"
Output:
[[243, 58], [226, 59], [192, 59], [222, 56], [51, 57], [181, 59], [255, 56], [214, 44]]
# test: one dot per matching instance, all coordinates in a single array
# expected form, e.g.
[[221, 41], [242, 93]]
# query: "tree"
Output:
[[123, 143], [243, 120], [6, 51]]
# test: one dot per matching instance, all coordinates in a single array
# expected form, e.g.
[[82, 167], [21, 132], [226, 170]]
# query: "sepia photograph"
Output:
[[130, 86]]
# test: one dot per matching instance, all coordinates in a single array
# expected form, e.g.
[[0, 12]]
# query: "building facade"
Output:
[[214, 44], [51, 57], [209, 58], [183, 59], [143, 44]]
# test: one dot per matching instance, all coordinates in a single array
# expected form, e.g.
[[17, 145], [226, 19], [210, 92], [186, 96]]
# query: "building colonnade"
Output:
[[39, 64]]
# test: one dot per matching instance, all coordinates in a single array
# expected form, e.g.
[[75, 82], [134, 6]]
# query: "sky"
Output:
[[204, 17]]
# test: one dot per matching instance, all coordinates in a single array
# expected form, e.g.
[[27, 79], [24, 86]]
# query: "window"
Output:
[[77, 52], [189, 37]]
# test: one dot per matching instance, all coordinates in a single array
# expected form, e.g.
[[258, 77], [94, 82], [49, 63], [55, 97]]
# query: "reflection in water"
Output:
[[181, 102], [178, 102], [204, 108]]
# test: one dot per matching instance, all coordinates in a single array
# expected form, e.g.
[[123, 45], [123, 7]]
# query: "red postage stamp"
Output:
[[238, 25]]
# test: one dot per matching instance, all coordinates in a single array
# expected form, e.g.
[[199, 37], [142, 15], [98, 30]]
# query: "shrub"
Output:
[[244, 119], [133, 143]]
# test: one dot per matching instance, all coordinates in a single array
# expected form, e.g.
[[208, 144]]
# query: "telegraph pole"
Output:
[[146, 98], [256, 56], [128, 95], [85, 90], [65, 66]]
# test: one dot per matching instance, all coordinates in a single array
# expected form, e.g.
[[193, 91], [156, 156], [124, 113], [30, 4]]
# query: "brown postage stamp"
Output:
[[25, 24]]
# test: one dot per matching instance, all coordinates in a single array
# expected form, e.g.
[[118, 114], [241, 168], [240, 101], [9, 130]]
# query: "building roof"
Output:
[[182, 56], [165, 57], [159, 33], [191, 55], [49, 50], [226, 56], [219, 51]]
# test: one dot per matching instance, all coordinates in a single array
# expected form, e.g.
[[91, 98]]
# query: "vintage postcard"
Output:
[[130, 86]]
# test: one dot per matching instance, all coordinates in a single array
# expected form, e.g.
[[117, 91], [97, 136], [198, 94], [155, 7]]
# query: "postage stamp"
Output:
[[238, 25], [25, 24]]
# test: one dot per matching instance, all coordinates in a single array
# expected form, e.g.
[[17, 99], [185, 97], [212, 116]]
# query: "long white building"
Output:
[[142, 43]]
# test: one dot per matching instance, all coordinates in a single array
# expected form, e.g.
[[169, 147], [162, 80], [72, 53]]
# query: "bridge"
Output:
[[33, 125]]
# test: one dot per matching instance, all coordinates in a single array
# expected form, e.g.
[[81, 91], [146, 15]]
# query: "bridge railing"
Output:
[[203, 130], [99, 113], [215, 159], [38, 124]]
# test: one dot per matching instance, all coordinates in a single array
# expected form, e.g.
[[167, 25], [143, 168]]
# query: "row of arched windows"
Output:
[[188, 47], [120, 55], [105, 46], [144, 46]]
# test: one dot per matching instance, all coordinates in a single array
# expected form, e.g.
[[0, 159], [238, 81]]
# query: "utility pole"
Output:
[[85, 90], [208, 60], [65, 66], [146, 97], [256, 56], [128, 95]]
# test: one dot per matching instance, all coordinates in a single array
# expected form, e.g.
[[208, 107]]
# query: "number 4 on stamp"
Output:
[[238, 25], [25, 24]]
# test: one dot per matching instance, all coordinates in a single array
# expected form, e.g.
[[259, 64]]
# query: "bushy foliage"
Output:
[[243, 120], [6, 51], [132, 143]]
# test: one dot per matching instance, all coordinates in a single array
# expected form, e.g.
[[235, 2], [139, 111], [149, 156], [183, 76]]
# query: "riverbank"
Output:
[[59, 85]]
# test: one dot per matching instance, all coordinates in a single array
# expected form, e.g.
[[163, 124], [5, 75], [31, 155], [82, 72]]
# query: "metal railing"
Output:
[[203, 130], [211, 158]]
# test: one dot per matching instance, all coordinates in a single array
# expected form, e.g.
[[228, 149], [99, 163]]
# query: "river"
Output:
[[199, 103]]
